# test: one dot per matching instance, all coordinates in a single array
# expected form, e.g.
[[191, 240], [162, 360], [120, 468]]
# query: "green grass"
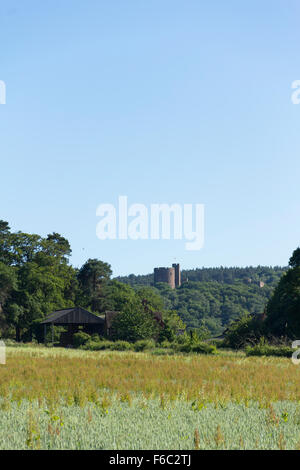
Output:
[[149, 424], [55, 398]]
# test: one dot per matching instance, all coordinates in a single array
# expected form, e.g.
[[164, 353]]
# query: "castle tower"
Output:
[[177, 274], [165, 275], [171, 276]]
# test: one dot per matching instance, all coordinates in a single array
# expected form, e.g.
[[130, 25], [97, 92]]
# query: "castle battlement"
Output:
[[171, 276]]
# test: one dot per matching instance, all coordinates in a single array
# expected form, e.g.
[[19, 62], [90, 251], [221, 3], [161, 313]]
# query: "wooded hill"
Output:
[[214, 297]]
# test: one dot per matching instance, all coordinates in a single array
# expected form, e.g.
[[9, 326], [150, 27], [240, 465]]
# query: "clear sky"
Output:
[[164, 101]]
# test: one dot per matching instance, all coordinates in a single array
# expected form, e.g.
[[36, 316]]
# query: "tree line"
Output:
[[210, 299], [281, 320], [36, 278]]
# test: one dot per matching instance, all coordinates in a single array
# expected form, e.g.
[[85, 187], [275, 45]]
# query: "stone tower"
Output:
[[177, 274], [170, 276]]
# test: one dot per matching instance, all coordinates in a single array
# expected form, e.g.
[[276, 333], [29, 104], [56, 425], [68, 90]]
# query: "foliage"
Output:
[[121, 346], [204, 348], [94, 345], [295, 259], [265, 349], [224, 275], [144, 345], [283, 309], [197, 347], [93, 278], [212, 298], [80, 338], [134, 323], [247, 330], [35, 279]]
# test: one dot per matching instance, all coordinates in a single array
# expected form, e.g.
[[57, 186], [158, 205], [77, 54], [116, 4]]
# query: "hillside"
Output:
[[213, 297]]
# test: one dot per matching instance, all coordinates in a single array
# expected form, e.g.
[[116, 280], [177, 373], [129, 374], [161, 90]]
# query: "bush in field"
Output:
[[182, 339], [265, 349], [12, 343], [143, 345], [193, 347], [246, 331], [80, 338], [204, 348], [97, 345], [121, 346], [185, 347]]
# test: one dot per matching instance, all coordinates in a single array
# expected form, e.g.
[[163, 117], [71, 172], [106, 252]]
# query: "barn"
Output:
[[76, 317], [73, 318]]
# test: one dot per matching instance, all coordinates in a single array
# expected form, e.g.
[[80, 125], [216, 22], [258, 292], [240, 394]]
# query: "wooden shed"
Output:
[[73, 318]]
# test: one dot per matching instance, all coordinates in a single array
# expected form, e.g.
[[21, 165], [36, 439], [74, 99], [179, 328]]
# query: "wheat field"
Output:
[[72, 399]]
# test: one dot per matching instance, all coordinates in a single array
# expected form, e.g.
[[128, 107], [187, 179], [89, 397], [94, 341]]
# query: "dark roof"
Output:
[[75, 315]]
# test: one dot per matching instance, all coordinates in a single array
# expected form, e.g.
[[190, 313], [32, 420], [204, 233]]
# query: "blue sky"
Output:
[[163, 101]]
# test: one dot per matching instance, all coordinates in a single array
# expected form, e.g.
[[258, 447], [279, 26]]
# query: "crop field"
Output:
[[71, 399]]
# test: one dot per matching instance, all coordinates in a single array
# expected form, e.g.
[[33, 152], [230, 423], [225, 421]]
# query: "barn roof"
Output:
[[75, 315]]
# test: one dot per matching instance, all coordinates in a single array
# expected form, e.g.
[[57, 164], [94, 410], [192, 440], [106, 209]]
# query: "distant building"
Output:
[[77, 319], [171, 276]]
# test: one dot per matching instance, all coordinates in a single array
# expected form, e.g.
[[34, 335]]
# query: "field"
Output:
[[71, 399]]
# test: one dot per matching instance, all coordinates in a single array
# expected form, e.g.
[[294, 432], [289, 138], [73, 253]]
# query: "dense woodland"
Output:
[[37, 278], [212, 298]]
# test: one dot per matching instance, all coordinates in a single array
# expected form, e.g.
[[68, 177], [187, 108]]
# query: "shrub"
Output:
[[97, 345], [219, 343], [186, 347], [144, 344], [244, 332], [182, 339], [162, 352], [12, 343], [80, 338], [204, 348], [121, 346], [199, 348], [264, 349]]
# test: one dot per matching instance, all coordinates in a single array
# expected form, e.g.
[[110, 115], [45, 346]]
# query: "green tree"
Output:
[[134, 324], [4, 242], [246, 331], [8, 284], [283, 309], [93, 278], [295, 259], [35, 279], [151, 297]]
